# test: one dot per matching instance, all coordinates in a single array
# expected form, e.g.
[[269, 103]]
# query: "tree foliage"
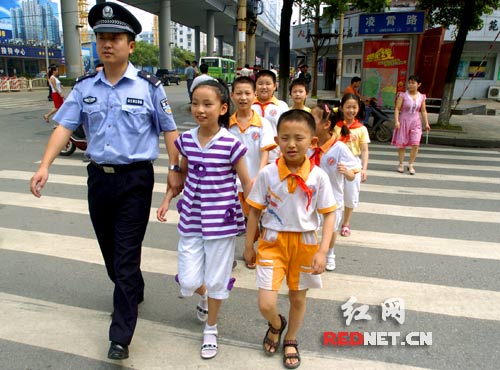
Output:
[[179, 56], [465, 15], [311, 11], [145, 55]]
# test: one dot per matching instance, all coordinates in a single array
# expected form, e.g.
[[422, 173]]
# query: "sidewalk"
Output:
[[478, 131]]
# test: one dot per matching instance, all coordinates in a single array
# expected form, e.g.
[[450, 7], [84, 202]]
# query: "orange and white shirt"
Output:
[[292, 201], [271, 110], [257, 135], [328, 156], [357, 136]]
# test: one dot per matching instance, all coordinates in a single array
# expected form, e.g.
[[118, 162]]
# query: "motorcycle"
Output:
[[78, 139], [379, 123]]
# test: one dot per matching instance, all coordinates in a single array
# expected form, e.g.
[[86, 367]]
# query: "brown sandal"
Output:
[[273, 345], [290, 356]]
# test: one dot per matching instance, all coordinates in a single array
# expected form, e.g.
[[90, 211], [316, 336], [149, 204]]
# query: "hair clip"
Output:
[[335, 109], [327, 109]]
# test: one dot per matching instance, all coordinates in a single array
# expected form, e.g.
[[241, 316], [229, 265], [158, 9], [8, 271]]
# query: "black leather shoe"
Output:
[[117, 351]]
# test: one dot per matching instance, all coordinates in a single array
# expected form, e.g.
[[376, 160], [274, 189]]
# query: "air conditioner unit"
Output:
[[494, 92]]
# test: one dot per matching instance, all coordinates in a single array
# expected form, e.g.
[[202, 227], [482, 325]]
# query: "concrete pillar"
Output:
[[220, 46], [277, 57], [267, 49], [210, 32], [165, 34], [71, 36], [235, 42], [251, 49], [197, 43]]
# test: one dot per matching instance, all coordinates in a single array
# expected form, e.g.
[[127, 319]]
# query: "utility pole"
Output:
[[338, 79], [242, 32]]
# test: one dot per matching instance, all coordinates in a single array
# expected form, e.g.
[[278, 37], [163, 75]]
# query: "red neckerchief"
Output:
[[355, 124], [316, 156], [302, 183]]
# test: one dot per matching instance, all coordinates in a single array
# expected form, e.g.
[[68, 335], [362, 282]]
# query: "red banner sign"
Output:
[[385, 69]]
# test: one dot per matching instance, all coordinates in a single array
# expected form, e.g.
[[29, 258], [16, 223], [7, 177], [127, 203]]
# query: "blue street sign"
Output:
[[391, 23]]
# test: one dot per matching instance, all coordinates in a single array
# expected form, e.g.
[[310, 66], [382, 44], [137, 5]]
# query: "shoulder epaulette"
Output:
[[152, 79], [81, 78]]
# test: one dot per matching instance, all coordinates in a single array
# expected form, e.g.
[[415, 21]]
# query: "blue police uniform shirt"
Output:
[[122, 122]]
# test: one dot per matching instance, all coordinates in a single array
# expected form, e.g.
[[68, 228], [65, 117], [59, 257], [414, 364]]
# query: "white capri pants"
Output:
[[352, 189], [208, 262]]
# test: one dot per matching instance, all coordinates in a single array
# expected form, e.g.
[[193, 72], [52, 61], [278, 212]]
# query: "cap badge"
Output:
[[107, 12]]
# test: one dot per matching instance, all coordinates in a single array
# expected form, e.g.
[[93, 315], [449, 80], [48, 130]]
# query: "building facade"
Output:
[[479, 68]]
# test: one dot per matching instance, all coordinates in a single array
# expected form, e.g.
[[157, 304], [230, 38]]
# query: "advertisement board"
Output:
[[385, 69]]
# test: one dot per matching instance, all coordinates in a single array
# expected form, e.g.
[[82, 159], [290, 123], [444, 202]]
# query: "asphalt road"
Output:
[[432, 240]]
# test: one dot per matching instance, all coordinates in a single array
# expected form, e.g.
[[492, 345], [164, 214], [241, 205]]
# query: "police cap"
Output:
[[114, 18]]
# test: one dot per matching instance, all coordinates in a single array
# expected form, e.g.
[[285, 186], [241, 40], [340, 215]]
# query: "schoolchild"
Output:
[[123, 111], [335, 158], [298, 92], [210, 211], [354, 134], [266, 104], [292, 190], [254, 131]]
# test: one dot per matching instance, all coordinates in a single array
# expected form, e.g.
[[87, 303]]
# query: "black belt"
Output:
[[121, 168]]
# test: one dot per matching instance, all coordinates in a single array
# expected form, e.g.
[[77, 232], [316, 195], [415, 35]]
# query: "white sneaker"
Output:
[[330, 263]]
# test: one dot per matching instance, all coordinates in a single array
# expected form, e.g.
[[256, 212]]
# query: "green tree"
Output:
[[179, 56], [465, 15], [311, 10], [145, 55]]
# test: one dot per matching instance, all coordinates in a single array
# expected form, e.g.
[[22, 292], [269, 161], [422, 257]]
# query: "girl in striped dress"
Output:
[[210, 211]]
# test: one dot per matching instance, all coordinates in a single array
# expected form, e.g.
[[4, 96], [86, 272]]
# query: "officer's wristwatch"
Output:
[[174, 167]]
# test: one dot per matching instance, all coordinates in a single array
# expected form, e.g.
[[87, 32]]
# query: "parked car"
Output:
[[167, 78]]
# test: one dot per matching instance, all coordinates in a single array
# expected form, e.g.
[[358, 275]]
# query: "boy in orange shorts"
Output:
[[293, 191]]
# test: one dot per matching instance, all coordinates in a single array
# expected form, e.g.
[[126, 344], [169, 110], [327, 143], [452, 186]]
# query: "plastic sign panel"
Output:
[[385, 69], [391, 23]]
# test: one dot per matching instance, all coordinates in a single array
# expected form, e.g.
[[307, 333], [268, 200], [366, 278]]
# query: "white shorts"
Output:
[[339, 213], [351, 191], [208, 262]]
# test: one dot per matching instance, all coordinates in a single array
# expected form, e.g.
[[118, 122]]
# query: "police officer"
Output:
[[123, 111]]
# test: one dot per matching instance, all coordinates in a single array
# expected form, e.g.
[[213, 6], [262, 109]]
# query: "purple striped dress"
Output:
[[210, 207]]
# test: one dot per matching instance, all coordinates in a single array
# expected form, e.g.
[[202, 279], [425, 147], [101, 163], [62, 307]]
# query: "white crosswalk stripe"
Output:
[[448, 299], [11, 101]]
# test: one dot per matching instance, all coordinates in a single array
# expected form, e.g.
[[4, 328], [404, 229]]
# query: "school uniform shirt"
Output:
[[328, 156], [288, 206], [210, 187], [122, 121], [356, 137], [257, 136], [271, 110]]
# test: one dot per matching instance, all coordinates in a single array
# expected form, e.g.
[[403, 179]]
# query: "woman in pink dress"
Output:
[[408, 126]]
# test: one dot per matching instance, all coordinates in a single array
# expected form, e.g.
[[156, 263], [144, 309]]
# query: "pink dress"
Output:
[[410, 129]]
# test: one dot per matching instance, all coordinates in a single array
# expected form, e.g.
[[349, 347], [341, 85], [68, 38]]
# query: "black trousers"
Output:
[[119, 205]]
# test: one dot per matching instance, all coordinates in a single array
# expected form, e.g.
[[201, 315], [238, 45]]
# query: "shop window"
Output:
[[352, 66], [474, 66]]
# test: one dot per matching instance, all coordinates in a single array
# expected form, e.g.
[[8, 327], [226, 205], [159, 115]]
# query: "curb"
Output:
[[460, 142]]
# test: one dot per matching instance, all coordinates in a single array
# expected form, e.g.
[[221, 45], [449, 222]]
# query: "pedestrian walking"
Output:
[[292, 191], [190, 74], [335, 158], [408, 124], [56, 91], [123, 110], [210, 212], [354, 134]]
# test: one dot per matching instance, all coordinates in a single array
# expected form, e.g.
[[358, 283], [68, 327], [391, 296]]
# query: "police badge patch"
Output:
[[165, 106], [90, 99]]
